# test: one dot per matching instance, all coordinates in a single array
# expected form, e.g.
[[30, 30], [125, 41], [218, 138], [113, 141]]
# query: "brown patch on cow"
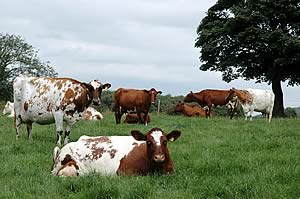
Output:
[[49, 109], [68, 162], [26, 106], [112, 153], [101, 139], [69, 93], [97, 152], [134, 143], [243, 95]]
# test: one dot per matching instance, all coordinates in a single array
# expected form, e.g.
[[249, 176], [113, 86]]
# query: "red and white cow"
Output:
[[139, 154], [255, 100], [9, 109], [92, 114], [53, 100]]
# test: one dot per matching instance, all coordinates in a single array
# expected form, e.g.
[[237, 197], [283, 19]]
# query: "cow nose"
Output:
[[159, 158]]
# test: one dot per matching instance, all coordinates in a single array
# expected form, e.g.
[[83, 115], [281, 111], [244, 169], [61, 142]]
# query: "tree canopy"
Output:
[[19, 58], [253, 39]]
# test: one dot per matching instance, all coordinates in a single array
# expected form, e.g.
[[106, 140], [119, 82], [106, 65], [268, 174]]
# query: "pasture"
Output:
[[216, 158]]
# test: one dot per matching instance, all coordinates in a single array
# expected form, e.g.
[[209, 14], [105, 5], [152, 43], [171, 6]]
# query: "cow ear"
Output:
[[138, 135], [159, 92], [88, 86], [173, 135], [106, 86]]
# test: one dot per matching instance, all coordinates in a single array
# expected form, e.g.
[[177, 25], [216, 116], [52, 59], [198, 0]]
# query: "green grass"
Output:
[[216, 158]]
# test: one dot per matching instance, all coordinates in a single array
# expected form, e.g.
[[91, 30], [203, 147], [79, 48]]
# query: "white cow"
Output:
[[255, 100], [53, 100], [92, 114], [9, 109]]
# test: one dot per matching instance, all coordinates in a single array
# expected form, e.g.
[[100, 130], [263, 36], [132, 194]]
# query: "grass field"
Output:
[[217, 158]]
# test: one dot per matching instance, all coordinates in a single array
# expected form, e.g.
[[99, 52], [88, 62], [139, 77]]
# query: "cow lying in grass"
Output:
[[138, 154]]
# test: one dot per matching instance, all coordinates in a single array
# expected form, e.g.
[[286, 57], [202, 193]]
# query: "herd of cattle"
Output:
[[55, 100]]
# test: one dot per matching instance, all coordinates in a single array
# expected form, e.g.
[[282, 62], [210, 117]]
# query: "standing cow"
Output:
[[134, 100], [138, 154], [255, 100], [209, 98], [9, 109], [49, 100]]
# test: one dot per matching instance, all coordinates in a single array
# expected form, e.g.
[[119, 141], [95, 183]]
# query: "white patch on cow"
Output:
[[156, 136], [95, 83]]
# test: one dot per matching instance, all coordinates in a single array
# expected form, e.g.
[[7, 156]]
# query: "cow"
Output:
[[138, 154], [255, 100], [134, 100], [209, 98], [92, 114], [132, 118], [53, 100], [190, 110], [9, 109]]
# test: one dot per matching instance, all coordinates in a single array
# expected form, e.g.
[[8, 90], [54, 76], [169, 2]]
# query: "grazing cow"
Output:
[[9, 109], [92, 114], [190, 110], [132, 118], [139, 154], [49, 100], [255, 100], [134, 100], [209, 98]]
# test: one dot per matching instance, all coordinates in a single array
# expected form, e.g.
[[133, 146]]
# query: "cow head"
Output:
[[231, 95], [189, 97], [95, 88], [8, 108], [179, 107], [156, 143], [153, 93]]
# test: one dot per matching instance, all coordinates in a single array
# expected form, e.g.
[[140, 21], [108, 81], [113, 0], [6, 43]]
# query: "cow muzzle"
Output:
[[96, 102], [160, 158]]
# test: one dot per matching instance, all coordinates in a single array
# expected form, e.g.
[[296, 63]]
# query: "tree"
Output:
[[19, 58], [253, 39]]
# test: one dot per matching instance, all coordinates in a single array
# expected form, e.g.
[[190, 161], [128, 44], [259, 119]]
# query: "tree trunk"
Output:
[[278, 110]]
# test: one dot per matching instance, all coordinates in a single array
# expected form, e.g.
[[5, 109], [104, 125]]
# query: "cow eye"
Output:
[[165, 142], [149, 143]]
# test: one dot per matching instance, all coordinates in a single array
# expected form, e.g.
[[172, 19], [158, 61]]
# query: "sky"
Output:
[[131, 44]]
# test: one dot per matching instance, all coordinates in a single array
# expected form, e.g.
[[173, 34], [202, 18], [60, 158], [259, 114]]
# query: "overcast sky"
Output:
[[131, 44]]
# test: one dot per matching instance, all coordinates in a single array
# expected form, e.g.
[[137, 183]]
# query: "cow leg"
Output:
[[59, 122], [18, 122], [29, 130], [145, 118], [68, 131], [118, 115]]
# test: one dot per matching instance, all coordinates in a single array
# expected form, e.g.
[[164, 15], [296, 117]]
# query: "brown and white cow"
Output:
[[139, 154], [92, 114], [190, 110], [134, 100], [209, 97], [132, 118], [255, 100], [53, 100]]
